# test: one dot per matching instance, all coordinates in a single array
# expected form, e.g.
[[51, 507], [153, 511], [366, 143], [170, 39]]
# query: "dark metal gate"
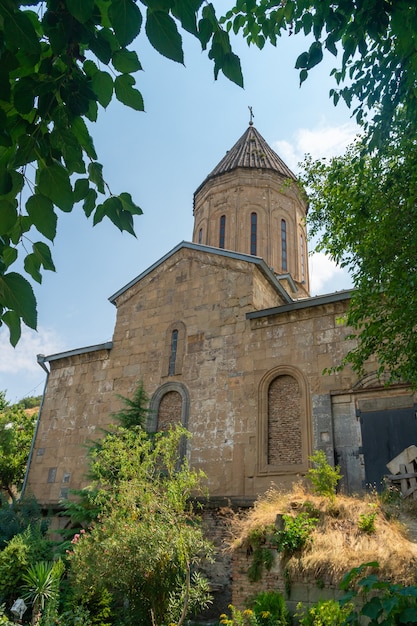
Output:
[[384, 435]]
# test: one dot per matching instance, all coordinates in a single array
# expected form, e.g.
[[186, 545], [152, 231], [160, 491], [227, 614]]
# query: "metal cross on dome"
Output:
[[251, 116]]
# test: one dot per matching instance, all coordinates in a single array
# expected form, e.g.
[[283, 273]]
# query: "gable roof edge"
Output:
[[270, 276]]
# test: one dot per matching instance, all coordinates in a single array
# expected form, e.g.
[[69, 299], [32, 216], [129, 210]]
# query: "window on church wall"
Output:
[[284, 263], [284, 419], [200, 235], [169, 410], [253, 232], [173, 354], [302, 259], [222, 232]]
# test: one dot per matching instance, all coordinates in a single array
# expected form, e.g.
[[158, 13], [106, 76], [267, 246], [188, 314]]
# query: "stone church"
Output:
[[227, 340]]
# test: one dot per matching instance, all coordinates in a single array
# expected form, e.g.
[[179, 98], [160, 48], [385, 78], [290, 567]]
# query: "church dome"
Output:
[[251, 203], [251, 151]]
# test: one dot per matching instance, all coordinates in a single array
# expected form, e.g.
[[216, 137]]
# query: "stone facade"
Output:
[[226, 339]]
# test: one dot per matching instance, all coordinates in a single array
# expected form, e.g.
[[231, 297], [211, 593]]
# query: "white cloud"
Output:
[[22, 358], [323, 141], [325, 275]]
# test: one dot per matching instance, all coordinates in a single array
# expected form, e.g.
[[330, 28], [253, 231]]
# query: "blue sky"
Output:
[[160, 157]]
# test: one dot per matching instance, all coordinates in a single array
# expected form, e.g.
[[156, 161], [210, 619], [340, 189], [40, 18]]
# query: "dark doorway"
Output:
[[384, 435]]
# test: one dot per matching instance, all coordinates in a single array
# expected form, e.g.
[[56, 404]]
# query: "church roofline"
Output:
[[251, 151], [269, 274], [41, 358], [305, 303]]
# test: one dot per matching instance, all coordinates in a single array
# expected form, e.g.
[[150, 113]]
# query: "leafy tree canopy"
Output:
[[377, 41], [146, 539], [16, 432], [60, 60], [364, 210]]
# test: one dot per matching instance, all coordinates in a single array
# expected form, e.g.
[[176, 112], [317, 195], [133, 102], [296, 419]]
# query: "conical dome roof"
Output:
[[252, 151]]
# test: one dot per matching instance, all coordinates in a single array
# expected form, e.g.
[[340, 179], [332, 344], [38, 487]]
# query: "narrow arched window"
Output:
[[222, 231], [302, 259], [253, 233], [200, 235], [284, 245], [173, 354]]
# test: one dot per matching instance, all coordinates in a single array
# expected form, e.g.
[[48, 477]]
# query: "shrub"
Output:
[[323, 476], [323, 613], [270, 609], [366, 522], [380, 602], [295, 534]]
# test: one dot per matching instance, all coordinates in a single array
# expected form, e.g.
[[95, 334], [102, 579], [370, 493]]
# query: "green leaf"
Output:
[[111, 208], [90, 202], [8, 215], [24, 94], [126, 61], [41, 211], [54, 183], [12, 320], [163, 34], [32, 266], [129, 205], [231, 68], [126, 20], [6, 181], [123, 87], [17, 294], [102, 84], [205, 31], [82, 10], [81, 188], [80, 130], [43, 253], [95, 173], [315, 54], [19, 33]]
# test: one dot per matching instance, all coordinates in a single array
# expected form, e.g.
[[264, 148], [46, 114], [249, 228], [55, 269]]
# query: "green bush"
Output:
[[270, 609], [323, 613], [323, 476], [295, 534], [378, 601]]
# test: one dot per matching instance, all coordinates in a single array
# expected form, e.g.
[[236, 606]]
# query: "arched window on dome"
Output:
[[173, 355], [253, 232], [284, 263], [222, 232], [302, 259]]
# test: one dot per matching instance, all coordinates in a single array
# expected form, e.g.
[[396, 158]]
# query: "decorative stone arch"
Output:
[[284, 428], [180, 349], [174, 397]]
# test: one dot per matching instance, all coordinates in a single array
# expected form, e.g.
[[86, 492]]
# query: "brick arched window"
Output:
[[284, 435], [169, 410], [169, 406], [284, 422]]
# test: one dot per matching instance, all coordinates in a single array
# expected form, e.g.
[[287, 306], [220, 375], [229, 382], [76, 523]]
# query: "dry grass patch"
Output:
[[339, 540]]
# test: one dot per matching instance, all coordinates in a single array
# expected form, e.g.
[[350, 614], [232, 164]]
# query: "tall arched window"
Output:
[[284, 264], [200, 235], [173, 355], [302, 259], [222, 231], [284, 422], [253, 232], [284, 427]]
